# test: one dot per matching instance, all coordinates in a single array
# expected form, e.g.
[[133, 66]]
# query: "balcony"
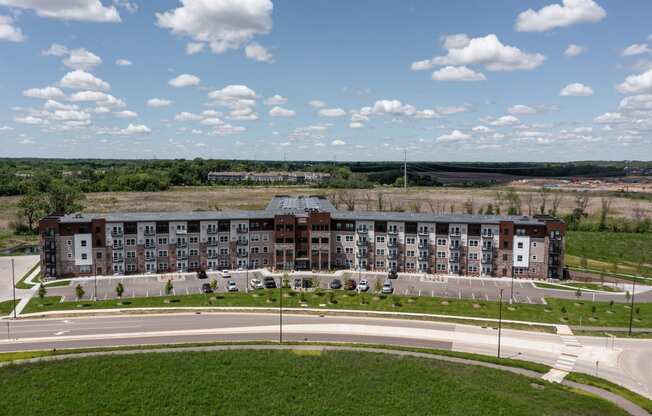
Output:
[[150, 258], [242, 254], [555, 248], [118, 248], [362, 231], [150, 245], [423, 232], [212, 254], [241, 230], [117, 233], [182, 244], [455, 234], [392, 231], [392, 255], [181, 231], [554, 262], [487, 235], [455, 248], [361, 243], [212, 243], [391, 243], [211, 231], [149, 232], [487, 247], [423, 245], [487, 260], [423, 258], [182, 256], [242, 242], [360, 255]]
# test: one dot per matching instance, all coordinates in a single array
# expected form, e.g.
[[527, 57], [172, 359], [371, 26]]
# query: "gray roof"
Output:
[[285, 205]]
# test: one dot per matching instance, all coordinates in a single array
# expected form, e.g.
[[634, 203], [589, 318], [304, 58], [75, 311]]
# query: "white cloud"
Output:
[[56, 49], [258, 53], [81, 10], [505, 121], [44, 93], [393, 107], [213, 121], [459, 73], [8, 31], [184, 80], [30, 120], [158, 102], [552, 16], [487, 51], [186, 116], [221, 24], [126, 114], [455, 41], [641, 102], [332, 112], [275, 100], [234, 96], [102, 99], [317, 103], [636, 49], [454, 136], [356, 125], [56, 105], [130, 130], [194, 47], [338, 142], [574, 50], [70, 115], [123, 62], [576, 90], [226, 129], [481, 129], [82, 59], [520, 109], [609, 118], [82, 80], [636, 83], [6, 128], [281, 112]]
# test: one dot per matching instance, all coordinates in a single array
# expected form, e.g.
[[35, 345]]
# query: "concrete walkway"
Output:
[[570, 353], [619, 401]]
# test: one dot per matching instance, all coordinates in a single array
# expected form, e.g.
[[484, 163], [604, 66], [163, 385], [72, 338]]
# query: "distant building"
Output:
[[269, 177], [302, 233]]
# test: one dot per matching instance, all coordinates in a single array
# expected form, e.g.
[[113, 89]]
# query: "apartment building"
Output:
[[302, 233]]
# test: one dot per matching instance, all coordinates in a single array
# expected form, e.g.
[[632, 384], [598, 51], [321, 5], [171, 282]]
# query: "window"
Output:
[[349, 238], [98, 255], [380, 252], [519, 258], [69, 256], [441, 241], [84, 256], [265, 249], [410, 240], [473, 256], [534, 244], [473, 243], [84, 269], [338, 238], [520, 244], [162, 241], [130, 241], [69, 242], [162, 253], [349, 250], [534, 258], [131, 267], [441, 254], [84, 243], [194, 252], [380, 264], [131, 254], [441, 267], [409, 253], [194, 240], [338, 250], [380, 239], [224, 250]]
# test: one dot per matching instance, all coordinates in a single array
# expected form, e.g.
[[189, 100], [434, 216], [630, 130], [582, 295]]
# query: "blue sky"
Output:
[[547, 80]]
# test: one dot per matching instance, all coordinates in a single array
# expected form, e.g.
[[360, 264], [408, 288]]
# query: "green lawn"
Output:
[[281, 383], [551, 313], [21, 284], [604, 248], [7, 306], [575, 285]]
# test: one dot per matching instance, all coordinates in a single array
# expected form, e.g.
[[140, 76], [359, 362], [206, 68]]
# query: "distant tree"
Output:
[[168, 288], [119, 289], [79, 291], [543, 200], [468, 206], [64, 196], [31, 208], [605, 207], [489, 210], [557, 199], [42, 291]]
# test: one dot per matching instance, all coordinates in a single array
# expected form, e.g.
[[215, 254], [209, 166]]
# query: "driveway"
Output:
[[22, 264]]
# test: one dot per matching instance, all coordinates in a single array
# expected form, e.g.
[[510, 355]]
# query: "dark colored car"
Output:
[[269, 283], [202, 275], [335, 284], [206, 288], [392, 274], [349, 284]]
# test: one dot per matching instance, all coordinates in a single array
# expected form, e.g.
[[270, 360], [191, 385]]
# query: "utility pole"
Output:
[[405, 169], [631, 308], [500, 320], [13, 285], [280, 314]]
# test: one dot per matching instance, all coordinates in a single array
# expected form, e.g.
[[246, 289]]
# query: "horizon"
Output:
[[547, 82]]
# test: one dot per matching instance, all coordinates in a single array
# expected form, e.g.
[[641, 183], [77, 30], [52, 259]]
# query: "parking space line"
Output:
[[482, 281], [459, 294], [433, 293], [187, 291], [486, 297], [147, 293], [528, 299], [133, 293], [473, 295]]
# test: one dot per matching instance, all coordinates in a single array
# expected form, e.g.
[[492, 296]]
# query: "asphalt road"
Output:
[[486, 289], [627, 362]]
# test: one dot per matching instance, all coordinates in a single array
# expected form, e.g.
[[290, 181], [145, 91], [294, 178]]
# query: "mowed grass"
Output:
[[602, 249], [281, 383], [557, 311], [7, 306]]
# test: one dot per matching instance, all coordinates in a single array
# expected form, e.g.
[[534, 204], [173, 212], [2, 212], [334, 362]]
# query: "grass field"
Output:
[[7, 306], [557, 310], [281, 383], [573, 286], [603, 249]]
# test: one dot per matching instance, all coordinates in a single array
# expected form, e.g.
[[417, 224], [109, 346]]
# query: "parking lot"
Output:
[[480, 289]]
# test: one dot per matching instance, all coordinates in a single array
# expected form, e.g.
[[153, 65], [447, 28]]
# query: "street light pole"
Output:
[[500, 320], [13, 285], [95, 281], [631, 309], [280, 315], [511, 290]]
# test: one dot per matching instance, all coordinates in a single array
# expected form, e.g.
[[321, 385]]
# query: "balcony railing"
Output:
[[118, 248], [181, 231], [118, 259], [242, 242], [392, 231], [423, 232], [391, 243], [150, 245], [455, 248], [362, 231], [182, 244], [242, 254], [117, 233], [487, 248], [211, 231], [182, 256], [423, 258], [392, 255], [423, 245], [555, 248], [149, 232], [212, 255], [360, 243], [240, 230], [212, 243], [360, 255], [487, 235], [486, 260]]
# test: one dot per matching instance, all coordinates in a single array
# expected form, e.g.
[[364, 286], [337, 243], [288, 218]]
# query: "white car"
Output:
[[387, 288], [363, 286], [232, 286], [226, 274], [256, 284]]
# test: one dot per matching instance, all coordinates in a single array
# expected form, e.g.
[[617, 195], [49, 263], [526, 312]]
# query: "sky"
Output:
[[475, 80]]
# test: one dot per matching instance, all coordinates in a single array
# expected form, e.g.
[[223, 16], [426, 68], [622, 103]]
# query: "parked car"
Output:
[[335, 284], [256, 284], [387, 288], [392, 274], [202, 275], [349, 284], [206, 288], [364, 285], [269, 283], [232, 286], [226, 274]]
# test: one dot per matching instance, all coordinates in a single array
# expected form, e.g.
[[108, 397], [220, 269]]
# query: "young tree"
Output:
[[79, 291], [377, 285], [543, 200], [119, 290], [214, 284], [468, 206], [557, 199], [605, 207], [169, 288], [42, 291], [611, 304], [64, 197], [578, 293]]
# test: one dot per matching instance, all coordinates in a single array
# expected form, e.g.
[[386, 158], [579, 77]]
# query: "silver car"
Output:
[[232, 286], [387, 288]]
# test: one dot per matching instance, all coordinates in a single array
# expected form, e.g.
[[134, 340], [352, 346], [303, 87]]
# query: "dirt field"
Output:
[[438, 200]]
